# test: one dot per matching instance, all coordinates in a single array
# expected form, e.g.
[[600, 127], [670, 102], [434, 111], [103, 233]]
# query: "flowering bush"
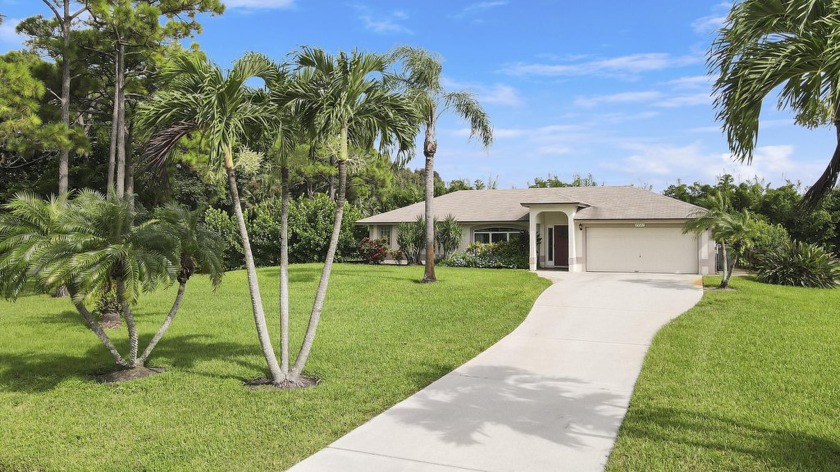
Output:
[[373, 251]]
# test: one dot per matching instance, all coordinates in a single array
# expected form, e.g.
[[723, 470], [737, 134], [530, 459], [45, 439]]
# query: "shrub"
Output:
[[502, 255], [767, 237], [220, 222], [411, 238], [798, 264], [373, 251], [448, 235], [310, 227], [398, 256]]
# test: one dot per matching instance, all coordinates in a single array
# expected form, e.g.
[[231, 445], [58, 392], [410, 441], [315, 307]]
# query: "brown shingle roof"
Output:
[[597, 203]]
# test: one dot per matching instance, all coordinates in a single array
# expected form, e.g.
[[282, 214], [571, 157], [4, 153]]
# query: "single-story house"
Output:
[[595, 229]]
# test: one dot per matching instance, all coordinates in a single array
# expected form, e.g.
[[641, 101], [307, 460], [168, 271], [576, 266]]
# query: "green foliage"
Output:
[[225, 226], [199, 248], [778, 206], [798, 264], [373, 251], [310, 224], [501, 255], [448, 233], [84, 244], [553, 181], [411, 238]]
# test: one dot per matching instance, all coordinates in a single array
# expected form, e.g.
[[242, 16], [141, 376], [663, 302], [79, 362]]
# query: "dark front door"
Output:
[[561, 245]]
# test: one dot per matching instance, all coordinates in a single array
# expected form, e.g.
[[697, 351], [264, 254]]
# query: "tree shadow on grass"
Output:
[[770, 447], [39, 372], [461, 407]]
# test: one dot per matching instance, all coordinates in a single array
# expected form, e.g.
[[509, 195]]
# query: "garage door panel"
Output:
[[648, 249]]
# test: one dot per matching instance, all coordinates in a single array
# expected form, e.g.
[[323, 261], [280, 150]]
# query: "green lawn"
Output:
[[383, 336], [748, 380]]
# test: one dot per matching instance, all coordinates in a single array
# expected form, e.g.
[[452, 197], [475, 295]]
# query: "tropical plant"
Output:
[[421, 81], [448, 234], [790, 46], [345, 96], [198, 249], [411, 238], [90, 245], [735, 230], [798, 264], [200, 98]]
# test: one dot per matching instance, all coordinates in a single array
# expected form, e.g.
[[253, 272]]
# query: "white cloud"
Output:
[[499, 94], [555, 150], [708, 24], [384, 26], [8, 35], [632, 64], [713, 21], [660, 164], [691, 82], [686, 100], [259, 4], [475, 8], [623, 97]]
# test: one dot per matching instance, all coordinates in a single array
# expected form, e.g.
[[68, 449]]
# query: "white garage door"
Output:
[[649, 249]]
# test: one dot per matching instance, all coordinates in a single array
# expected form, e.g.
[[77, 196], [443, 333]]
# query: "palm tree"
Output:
[[421, 82], [345, 96], [198, 248], [200, 98], [731, 229], [90, 245], [767, 44]]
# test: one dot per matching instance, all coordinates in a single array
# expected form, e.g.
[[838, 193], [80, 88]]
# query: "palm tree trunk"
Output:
[[251, 269], [100, 333], [165, 326], [429, 150], [129, 323], [321, 294], [725, 281], [284, 269]]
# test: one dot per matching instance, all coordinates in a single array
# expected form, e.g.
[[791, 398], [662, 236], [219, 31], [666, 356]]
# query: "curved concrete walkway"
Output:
[[548, 397]]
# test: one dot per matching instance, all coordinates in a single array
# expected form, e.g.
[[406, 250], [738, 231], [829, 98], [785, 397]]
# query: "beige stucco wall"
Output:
[[546, 219]]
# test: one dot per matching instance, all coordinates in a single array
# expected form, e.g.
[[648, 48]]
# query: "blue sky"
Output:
[[612, 88]]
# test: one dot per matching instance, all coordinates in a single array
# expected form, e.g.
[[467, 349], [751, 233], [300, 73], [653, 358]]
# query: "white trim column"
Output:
[[532, 240], [572, 245]]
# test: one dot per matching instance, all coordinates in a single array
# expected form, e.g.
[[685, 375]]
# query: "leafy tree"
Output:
[[200, 98], [789, 46], [345, 96], [134, 31], [553, 181], [421, 80], [55, 36]]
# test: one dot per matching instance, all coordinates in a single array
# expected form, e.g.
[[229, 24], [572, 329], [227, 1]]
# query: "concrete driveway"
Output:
[[548, 397]]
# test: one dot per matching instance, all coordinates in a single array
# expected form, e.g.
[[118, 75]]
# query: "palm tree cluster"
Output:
[[346, 104], [350, 105], [92, 245]]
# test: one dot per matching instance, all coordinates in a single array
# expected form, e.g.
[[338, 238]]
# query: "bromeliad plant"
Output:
[[91, 244]]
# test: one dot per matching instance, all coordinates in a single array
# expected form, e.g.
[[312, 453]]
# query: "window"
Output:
[[385, 233], [495, 235]]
